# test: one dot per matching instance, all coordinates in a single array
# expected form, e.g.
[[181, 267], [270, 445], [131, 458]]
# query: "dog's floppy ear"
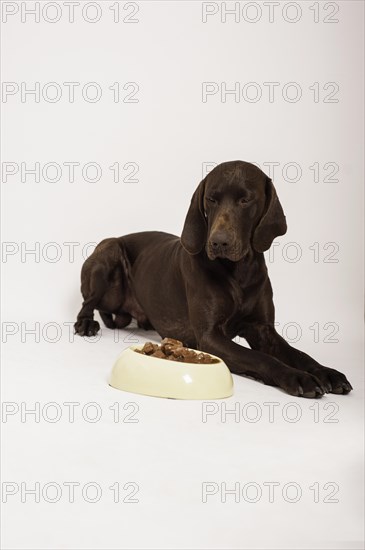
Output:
[[194, 233], [272, 222]]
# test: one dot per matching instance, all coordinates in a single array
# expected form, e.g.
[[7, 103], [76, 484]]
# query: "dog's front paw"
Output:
[[333, 380], [86, 327], [302, 384]]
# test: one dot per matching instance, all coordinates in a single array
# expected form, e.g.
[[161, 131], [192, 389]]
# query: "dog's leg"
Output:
[[122, 319], [260, 366], [105, 280], [85, 324], [107, 319], [264, 338]]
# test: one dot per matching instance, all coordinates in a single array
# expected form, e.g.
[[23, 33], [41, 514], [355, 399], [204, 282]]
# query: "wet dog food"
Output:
[[173, 350]]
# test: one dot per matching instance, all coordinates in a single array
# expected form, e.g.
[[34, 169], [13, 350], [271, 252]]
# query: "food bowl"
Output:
[[137, 373]]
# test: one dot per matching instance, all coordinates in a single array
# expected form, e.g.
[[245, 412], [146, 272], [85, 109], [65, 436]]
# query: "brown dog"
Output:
[[209, 286]]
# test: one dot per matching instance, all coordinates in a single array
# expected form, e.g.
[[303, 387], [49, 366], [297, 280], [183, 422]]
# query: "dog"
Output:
[[208, 286]]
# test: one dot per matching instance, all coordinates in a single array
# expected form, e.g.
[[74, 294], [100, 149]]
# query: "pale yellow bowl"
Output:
[[137, 373]]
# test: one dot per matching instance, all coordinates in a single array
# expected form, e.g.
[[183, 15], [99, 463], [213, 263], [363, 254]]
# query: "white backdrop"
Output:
[[112, 114]]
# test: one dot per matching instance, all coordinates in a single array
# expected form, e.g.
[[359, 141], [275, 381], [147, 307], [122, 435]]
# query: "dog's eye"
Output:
[[211, 199], [243, 200]]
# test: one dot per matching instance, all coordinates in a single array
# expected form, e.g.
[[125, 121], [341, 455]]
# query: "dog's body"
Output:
[[209, 286]]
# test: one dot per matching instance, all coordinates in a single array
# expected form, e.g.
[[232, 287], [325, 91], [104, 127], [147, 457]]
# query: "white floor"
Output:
[[172, 460]]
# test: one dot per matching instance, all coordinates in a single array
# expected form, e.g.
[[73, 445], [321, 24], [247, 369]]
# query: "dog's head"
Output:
[[234, 209]]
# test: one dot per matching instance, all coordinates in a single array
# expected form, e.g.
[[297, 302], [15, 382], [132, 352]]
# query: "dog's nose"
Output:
[[219, 239]]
